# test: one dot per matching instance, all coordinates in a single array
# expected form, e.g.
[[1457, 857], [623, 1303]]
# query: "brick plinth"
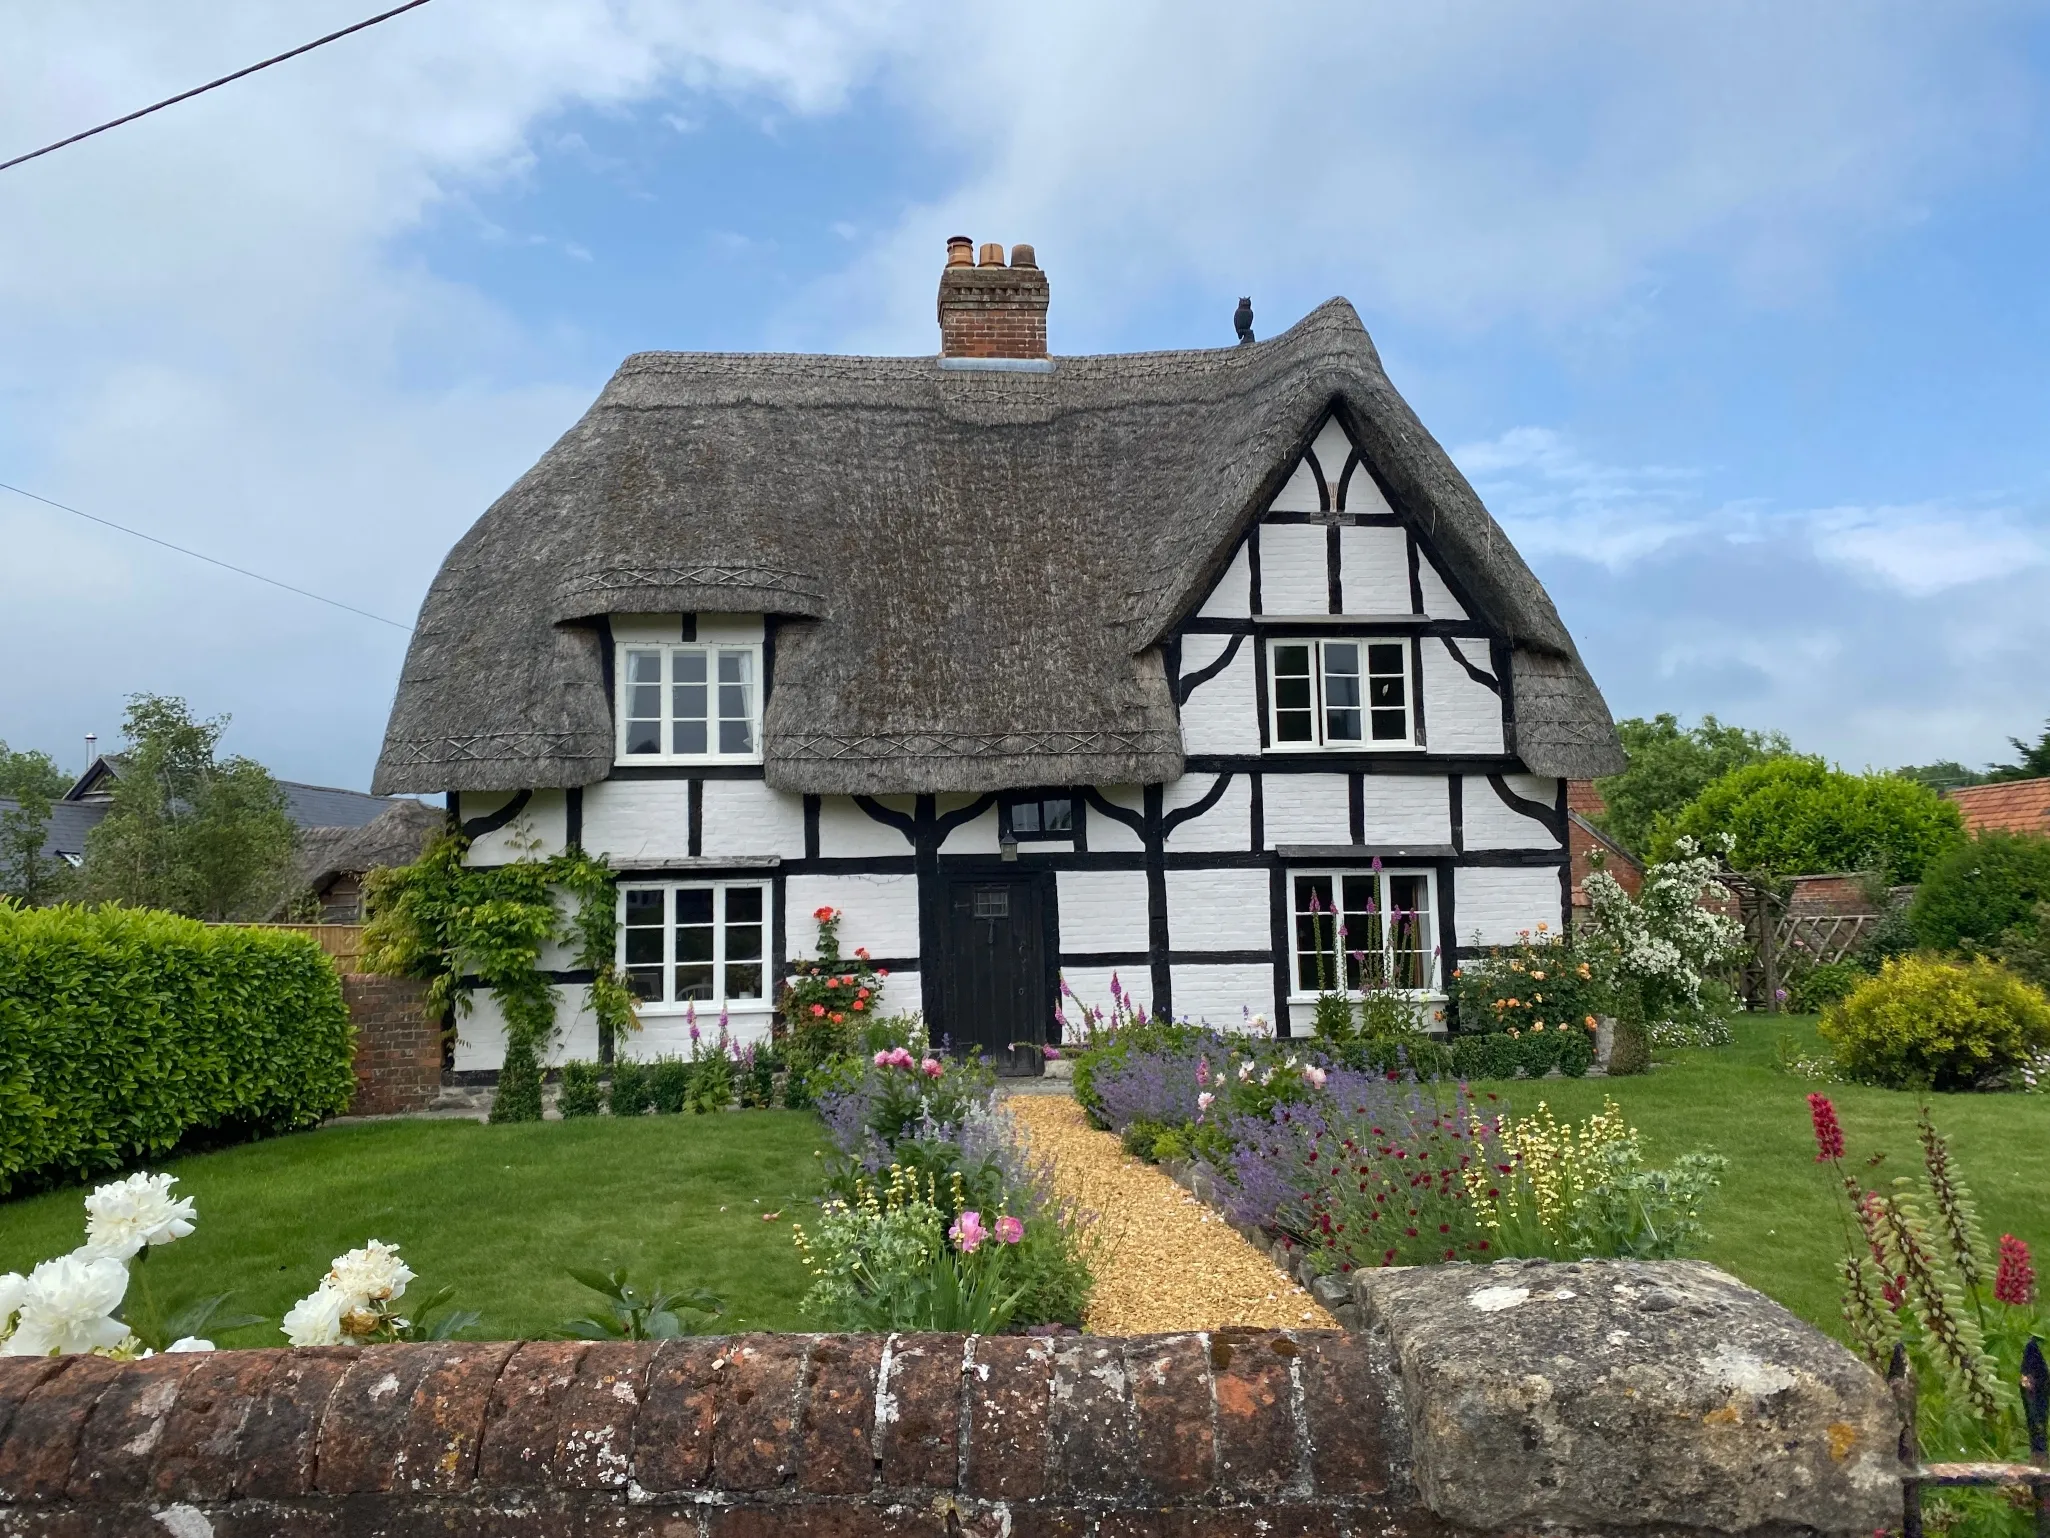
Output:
[[398, 1045], [727, 1438]]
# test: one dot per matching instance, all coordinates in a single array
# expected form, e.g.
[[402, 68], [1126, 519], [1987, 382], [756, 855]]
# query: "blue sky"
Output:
[[1733, 313]]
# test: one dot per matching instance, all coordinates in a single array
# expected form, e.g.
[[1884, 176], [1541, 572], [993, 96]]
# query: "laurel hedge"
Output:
[[125, 1031]]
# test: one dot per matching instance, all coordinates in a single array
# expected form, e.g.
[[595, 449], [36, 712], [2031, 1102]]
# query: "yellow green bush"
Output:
[[1939, 1025]]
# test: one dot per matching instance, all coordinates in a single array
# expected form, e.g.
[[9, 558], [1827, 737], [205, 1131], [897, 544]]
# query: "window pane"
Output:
[[1409, 898], [1294, 714], [644, 947], [644, 702], [744, 981], [694, 943], [744, 905], [736, 702], [644, 736], [1363, 928], [693, 982], [689, 700], [1316, 934], [1060, 816], [646, 983], [1387, 657], [689, 737], [1391, 726], [736, 737], [644, 667], [1341, 692], [644, 905], [694, 905], [1025, 817], [689, 666], [641, 942]]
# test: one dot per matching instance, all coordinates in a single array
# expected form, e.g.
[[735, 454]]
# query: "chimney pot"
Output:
[[1023, 256], [992, 254], [988, 309], [960, 251]]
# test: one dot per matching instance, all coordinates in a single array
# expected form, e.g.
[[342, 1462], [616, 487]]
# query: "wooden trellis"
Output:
[[1778, 943]]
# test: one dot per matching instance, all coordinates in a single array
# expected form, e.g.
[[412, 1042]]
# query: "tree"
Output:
[[2035, 761], [188, 831], [1670, 766], [32, 781], [1944, 774], [1792, 816], [1977, 890]]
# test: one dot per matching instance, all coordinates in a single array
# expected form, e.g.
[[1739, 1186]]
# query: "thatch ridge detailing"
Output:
[[961, 556]]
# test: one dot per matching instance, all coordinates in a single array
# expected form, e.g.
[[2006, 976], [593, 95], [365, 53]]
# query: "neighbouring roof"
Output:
[[394, 837], [309, 806], [65, 830], [2012, 806], [979, 564]]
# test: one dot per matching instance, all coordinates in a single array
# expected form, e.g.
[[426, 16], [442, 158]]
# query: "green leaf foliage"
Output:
[[1669, 766], [123, 1031], [1977, 890], [1925, 1024], [1797, 816]]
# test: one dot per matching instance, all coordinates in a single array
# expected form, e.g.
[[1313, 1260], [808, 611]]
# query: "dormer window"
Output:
[[692, 703], [1341, 694]]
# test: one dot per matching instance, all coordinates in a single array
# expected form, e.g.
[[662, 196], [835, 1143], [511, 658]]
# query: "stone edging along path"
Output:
[[1166, 1260]]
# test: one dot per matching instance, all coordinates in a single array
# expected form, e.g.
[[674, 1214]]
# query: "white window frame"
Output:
[[1320, 740], [669, 1003], [1433, 962], [712, 650]]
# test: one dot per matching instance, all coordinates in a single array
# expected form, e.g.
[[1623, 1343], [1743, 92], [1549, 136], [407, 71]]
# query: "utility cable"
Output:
[[201, 90], [210, 560]]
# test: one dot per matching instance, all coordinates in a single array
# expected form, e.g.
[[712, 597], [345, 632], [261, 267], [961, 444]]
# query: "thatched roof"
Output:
[[980, 564], [394, 837]]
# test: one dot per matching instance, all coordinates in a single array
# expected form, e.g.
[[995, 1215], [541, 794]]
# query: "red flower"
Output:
[[817, 1010], [825, 915], [861, 951], [1829, 1136], [2015, 1281], [838, 1018]]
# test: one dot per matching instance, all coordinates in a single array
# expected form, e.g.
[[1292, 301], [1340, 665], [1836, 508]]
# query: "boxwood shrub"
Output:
[[1928, 1024], [124, 1031]]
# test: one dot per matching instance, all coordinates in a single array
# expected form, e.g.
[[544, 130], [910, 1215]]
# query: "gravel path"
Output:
[[1167, 1261]]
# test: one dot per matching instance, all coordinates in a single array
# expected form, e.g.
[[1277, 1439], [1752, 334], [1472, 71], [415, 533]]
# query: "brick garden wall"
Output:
[[398, 1045]]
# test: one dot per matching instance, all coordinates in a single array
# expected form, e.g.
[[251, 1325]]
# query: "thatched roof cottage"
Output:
[[1034, 666]]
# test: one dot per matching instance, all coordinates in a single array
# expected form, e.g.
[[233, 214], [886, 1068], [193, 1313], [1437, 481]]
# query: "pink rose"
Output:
[[931, 1068], [818, 1010], [882, 1060], [1010, 1230], [968, 1232], [900, 1058]]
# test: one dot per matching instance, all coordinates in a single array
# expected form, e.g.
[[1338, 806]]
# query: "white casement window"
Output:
[[702, 942], [1359, 929], [1340, 694], [690, 703]]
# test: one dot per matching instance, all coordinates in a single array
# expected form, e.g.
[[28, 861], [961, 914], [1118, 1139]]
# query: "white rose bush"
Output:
[[1659, 946], [80, 1304], [356, 1302]]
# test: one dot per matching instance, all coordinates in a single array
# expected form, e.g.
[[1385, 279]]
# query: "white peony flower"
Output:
[[65, 1304], [188, 1343], [124, 1215], [374, 1272], [13, 1288], [316, 1319]]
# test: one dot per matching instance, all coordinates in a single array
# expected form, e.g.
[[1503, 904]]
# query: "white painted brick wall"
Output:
[[667, 1034], [977, 837], [846, 831], [881, 912], [1306, 809], [633, 820], [1294, 576], [1221, 996], [1102, 910], [745, 817], [1091, 985], [1227, 825], [1106, 834], [1491, 825], [1460, 715], [1493, 904], [1373, 563], [1406, 809], [539, 831], [1223, 715], [1217, 910], [1231, 598], [1438, 600], [480, 1039]]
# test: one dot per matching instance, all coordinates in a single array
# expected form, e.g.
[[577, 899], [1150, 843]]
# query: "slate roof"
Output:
[[309, 806], [2010, 806], [979, 565], [69, 822]]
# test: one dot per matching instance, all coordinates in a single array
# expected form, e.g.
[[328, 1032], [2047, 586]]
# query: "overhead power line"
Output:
[[242, 571], [201, 90]]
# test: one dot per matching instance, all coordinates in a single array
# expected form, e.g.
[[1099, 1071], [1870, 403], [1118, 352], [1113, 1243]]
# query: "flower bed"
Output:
[[939, 1216]]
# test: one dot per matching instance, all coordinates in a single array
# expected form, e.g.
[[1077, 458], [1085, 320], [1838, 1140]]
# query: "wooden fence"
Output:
[[343, 942]]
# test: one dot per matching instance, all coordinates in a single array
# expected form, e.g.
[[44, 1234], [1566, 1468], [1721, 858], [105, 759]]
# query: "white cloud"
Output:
[[1554, 499], [1931, 547]]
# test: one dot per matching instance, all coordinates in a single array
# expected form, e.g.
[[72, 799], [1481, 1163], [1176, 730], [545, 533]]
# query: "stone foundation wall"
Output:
[[1601, 1398], [398, 1045]]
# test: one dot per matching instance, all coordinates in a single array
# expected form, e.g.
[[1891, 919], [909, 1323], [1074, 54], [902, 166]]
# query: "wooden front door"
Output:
[[998, 987]]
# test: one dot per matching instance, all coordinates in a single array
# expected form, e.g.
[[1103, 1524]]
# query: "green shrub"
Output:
[[1818, 987], [1974, 893], [1923, 1023], [1493, 1056], [629, 1095], [580, 1094], [1792, 815], [123, 1031], [1141, 1137], [669, 1084]]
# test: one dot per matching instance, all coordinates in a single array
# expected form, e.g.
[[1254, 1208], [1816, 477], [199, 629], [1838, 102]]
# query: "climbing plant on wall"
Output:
[[441, 921]]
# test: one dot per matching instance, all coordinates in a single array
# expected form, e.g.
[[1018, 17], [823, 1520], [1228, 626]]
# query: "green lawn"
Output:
[[498, 1212], [1776, 1220]]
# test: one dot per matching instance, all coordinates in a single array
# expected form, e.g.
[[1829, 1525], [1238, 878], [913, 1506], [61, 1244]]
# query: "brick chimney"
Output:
[[988, 309]]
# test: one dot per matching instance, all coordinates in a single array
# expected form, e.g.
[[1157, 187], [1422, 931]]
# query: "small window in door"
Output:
[[993, 903]]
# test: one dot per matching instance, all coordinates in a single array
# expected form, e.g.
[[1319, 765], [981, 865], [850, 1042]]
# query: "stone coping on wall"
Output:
[[1602, 1397]]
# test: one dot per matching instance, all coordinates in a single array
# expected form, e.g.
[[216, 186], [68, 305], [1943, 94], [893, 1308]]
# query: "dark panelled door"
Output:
[[996, 978]]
